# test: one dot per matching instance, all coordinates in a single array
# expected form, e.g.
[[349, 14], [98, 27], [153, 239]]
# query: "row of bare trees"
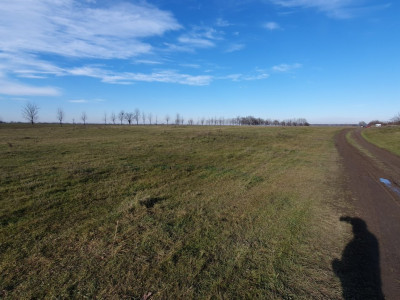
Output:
[[31, 113]]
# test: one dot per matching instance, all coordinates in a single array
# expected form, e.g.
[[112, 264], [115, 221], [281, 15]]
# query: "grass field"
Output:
[[178, 212], [384, 137]]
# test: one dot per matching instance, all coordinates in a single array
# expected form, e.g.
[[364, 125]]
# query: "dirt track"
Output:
[[379, 206]]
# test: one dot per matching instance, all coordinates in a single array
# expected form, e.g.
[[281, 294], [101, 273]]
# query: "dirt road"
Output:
[[373, 177]]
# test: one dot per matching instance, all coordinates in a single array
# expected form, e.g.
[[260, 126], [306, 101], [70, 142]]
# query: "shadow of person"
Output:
[[359, 269]]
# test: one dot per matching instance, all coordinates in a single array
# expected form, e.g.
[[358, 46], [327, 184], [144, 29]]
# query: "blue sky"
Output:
[[332, 61]]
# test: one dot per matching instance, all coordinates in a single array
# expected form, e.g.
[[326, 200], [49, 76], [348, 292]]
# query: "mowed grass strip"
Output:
[[387, 137], [178, 212]]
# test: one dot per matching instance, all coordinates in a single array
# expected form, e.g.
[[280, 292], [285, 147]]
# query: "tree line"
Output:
[[30, 112], [393, 121]]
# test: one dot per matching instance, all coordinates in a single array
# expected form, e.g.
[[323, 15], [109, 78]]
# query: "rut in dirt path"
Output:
[[371, 262]]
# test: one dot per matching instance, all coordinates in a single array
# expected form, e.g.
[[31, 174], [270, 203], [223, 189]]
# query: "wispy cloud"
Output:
[[166, 76], [171, 47], [11, 88], [69, 28], [193, 66], [258, 75], [30, 30], [27, 65], [271, 26], [286, 67], [147, 62], [78, 101], [235, 47], [222, 23], [341, 9], [196, 42], [200, 37]]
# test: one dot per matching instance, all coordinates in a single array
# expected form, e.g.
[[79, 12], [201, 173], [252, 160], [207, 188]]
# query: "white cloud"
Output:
[[256, 77], [235, 47], [243, 77], [171, 77], [178, 48], [271, 26], [78, 101], [286, 67], [222, 23], [69, 28], [233, 77], [193, 66], [196, 42], [30, 30], [28, 65], [166, 76], [200, 37], [147, 62], [334, 8], [17, 89]]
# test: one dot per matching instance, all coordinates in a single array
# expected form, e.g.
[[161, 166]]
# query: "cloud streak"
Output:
[[200, 37], [235, 47], [78, 101], [17, 89], [166, 76], [341, 9], [69, 28], [260, 75], [283, 68]]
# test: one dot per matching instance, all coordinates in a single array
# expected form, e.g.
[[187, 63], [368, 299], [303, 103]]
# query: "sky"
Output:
[[334, 61]]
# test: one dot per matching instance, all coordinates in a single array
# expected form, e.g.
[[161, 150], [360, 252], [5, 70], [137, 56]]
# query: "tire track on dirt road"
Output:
[[376, 203]]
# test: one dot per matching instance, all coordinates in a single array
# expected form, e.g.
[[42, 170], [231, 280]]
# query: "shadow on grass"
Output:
[[150, 202], [359, 269]]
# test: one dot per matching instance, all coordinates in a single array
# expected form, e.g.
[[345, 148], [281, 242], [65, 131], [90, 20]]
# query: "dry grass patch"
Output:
[[195, 212], [384, 137]]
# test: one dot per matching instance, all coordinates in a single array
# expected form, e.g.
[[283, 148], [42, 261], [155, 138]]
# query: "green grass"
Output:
[[181, 212], [385, 137]]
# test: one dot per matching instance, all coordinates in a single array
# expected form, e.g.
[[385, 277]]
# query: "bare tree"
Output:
[[149, 116], [60, 115], [190, 121], [129, 117], [84, 118], [167, 118], [113, 117], [156, 120], [30, 112], [177, 119], [121, 116], [105, 118], [143, 118], [396, 119], [136, 115]]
